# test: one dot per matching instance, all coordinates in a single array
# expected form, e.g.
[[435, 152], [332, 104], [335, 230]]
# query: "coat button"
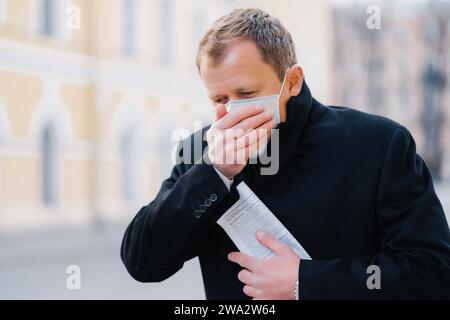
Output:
[[197, 214], [213, 197], [207, 202], [202, 208]]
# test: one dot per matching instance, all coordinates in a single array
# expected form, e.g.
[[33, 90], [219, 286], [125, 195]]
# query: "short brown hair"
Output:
[[270, 37]]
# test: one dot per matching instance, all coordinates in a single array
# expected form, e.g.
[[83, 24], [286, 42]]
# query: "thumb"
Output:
[[272, 243], [221, 111]]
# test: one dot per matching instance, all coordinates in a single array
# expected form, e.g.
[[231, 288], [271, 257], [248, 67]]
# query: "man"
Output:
[[349, 187]]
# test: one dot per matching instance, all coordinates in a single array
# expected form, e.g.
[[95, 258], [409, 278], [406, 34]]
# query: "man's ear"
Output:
[[294, 80]]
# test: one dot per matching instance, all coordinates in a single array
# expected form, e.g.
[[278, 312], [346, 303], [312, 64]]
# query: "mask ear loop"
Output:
[[282, 86], [281, 92]]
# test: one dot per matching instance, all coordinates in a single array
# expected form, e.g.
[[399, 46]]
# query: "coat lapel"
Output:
[[289, 133]]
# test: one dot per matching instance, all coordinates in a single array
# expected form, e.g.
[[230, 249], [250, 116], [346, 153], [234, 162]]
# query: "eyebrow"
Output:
[[245, 88], [237, 90]]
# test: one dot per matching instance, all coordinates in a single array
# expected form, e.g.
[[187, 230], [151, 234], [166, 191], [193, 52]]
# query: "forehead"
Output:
[[241, 66]]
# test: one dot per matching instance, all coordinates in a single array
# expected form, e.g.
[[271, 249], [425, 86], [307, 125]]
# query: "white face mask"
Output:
[[271, 103]]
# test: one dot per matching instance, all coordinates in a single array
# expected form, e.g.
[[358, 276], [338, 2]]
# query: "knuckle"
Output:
[[257, 267], [233, 116], [245, 289], [246, 124]]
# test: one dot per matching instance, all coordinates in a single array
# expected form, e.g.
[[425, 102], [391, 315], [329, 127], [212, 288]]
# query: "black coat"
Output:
[[350, 188]]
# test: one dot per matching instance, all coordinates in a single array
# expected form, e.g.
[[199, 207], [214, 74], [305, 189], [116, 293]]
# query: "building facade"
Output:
[[91, 92], [401, 71]]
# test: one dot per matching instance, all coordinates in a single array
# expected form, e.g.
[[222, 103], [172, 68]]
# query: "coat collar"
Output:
[[298, 108], [298, 112]]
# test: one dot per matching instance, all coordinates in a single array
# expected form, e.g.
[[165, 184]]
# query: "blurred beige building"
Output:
[[87, 111], [401, 71]]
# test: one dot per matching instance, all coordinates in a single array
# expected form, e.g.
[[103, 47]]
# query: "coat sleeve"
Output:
[[172, 228], [414, 238]]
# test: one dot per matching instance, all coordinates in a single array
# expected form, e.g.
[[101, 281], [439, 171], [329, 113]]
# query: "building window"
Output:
[[129, 26], [199, 20], [49, 17], [49, 165], [166, 31], [128, 151], [2, 12]]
